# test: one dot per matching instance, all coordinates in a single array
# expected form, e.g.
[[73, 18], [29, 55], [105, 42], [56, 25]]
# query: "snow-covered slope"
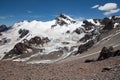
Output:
[[65, 34]]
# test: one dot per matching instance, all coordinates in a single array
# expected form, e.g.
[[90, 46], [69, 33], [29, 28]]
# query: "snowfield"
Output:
[[58, 36]]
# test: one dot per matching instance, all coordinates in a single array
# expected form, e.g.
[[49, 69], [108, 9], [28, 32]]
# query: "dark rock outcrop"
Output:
[[97, 20], [62, 20], [19, 48], [3, 28], [79, 30], [104, 54], [85, 47], [65, 17], [108, 24], [116, 19], [85, 38], [23, 32], [108, 52], [38, 40], [88, 25]]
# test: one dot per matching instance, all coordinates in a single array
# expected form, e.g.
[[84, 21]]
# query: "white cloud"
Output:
[[108, 6], [111, 12], [95, 6]]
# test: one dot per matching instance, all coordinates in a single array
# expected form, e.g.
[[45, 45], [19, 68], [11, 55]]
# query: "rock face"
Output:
[[63, 20], [85, 47], [85, 38], [79, 30], [19, 48], [22, 47], [108, 24], [38, 40], [23, 32], [3, 28], [116, 19], [88, 25]]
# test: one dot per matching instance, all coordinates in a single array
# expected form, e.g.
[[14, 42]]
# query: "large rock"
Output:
[[108, 52], [104, 54]]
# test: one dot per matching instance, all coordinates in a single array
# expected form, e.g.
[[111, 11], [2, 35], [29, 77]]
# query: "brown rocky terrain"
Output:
[[108, 69]]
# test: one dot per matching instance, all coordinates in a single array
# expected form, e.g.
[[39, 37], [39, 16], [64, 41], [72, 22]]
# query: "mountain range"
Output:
[[51, 41]]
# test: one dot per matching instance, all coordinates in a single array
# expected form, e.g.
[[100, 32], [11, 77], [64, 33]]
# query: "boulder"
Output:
[[104, 54], [108, 52]]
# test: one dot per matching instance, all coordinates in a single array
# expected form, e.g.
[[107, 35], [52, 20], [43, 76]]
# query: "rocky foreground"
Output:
[[107, 69]]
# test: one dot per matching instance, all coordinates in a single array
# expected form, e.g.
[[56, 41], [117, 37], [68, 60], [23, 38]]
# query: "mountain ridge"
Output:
[[63, 35]]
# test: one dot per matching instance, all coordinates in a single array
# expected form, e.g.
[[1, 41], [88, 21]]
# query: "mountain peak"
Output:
[[64, 19], [64, 16]]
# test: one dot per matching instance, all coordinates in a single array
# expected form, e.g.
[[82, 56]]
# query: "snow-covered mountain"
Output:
[[40, 42]]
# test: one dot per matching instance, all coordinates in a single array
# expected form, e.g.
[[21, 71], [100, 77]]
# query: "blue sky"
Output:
[[12, 11]]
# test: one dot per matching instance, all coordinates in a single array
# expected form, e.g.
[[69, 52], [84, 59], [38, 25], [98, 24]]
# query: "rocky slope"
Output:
[[37, 42]]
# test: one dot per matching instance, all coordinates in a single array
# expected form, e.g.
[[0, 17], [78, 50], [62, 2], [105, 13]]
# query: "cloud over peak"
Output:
[[108, 8]]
